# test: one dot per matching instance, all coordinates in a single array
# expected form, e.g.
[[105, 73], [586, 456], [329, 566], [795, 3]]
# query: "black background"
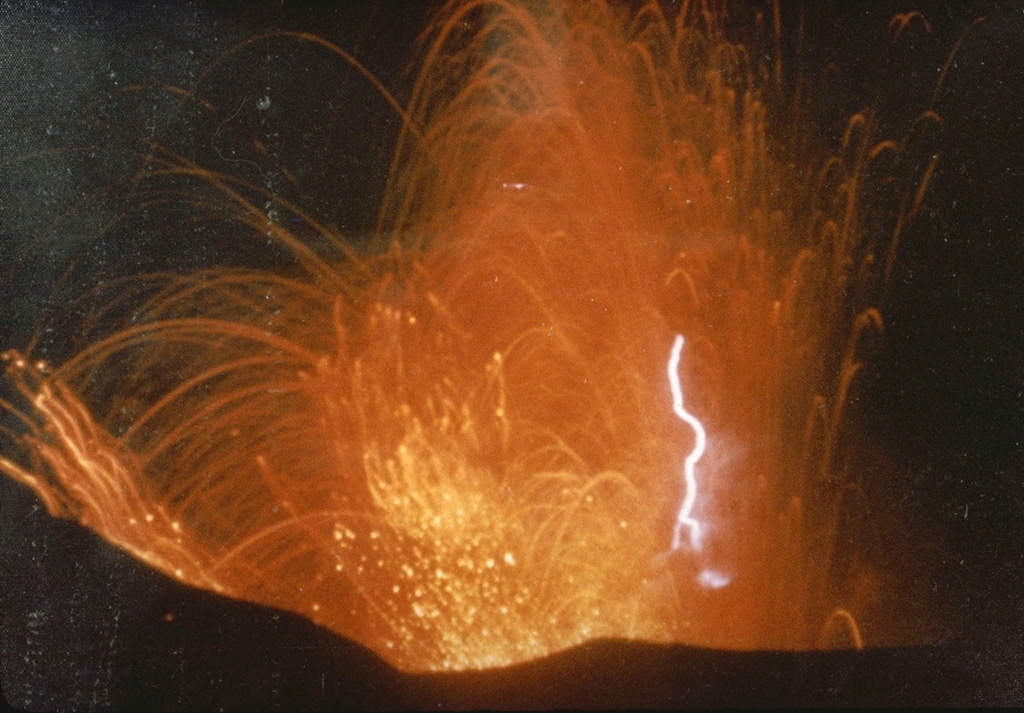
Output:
[[85, 626]]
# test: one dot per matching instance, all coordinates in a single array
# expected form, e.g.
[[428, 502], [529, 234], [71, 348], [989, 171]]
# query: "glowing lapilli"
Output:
[[454, 445]]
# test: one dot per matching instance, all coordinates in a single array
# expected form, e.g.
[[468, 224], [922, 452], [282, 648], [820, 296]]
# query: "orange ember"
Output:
[[460, 447]]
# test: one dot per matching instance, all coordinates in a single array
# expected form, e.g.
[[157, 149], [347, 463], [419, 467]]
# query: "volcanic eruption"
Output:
[[587, 380]]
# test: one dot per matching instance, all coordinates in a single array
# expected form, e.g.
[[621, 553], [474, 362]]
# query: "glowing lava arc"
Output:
[[684, 518]]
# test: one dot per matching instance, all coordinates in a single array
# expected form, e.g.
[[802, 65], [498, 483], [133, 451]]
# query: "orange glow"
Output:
[[455, 446]]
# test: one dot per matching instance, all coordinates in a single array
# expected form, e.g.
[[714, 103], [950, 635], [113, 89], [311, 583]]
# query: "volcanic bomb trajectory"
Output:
[[455, 442]]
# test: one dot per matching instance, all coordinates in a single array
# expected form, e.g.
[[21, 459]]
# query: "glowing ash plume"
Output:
[[451, 444]]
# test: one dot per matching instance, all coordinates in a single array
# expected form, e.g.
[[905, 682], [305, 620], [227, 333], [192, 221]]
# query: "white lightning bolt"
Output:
[[684, 519]]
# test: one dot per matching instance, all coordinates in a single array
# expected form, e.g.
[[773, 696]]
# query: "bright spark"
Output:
[[684, 518], [713, 579]]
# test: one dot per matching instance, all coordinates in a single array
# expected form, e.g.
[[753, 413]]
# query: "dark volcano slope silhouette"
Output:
[[98, 630]]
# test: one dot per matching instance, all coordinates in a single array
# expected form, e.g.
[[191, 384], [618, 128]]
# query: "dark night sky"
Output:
[[943, 399]]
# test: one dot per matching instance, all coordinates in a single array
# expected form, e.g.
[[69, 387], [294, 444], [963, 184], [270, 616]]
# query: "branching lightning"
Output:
[[684, 518], [438, 441]]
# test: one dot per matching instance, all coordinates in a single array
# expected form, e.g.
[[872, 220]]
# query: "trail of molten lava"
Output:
[[449, 446]]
